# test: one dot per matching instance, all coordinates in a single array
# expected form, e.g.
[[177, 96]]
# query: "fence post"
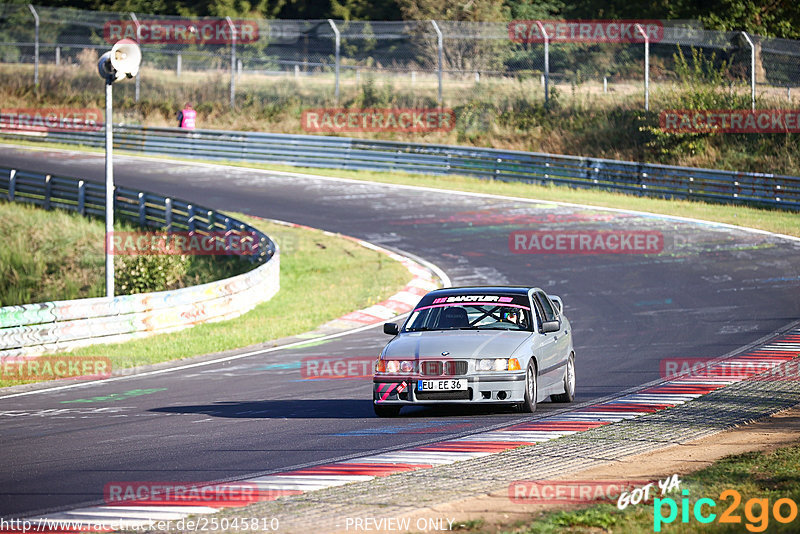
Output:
[[646, 66], [338, 45], [139, 42], [546, 62], [48, 188], [168, 214], [178, 66], [82, 197], [752, 70], [233, 61], [12, 184], [142, 209], [440, 45], [35, 46], [58, 55]]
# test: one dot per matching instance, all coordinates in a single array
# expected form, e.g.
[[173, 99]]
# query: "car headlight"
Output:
[[498, 364], [485, 365], [394, 366]]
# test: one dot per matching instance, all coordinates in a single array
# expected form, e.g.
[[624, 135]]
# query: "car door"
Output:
[[557, 342], [546, 349]]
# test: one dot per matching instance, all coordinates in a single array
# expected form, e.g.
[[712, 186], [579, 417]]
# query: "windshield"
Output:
[[469, 316]]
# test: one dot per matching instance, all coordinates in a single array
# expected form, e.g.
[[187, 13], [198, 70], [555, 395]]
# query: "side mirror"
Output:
[[391, 329], [550, 326]]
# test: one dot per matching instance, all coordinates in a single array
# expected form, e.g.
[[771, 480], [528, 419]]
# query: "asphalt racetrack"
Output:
[[707, 291]]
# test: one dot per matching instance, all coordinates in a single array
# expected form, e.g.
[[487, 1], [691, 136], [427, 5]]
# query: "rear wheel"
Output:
[[531, 389], [386, 410], [569, 383]]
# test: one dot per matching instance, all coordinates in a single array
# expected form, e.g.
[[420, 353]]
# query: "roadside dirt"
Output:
[[498, 511]]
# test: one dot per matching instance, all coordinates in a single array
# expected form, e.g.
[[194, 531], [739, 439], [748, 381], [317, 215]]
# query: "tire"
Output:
[[569, 383], [386, 410], [531, 389]]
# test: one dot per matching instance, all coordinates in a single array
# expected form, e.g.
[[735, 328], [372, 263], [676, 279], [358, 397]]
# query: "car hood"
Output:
[[458, 343]]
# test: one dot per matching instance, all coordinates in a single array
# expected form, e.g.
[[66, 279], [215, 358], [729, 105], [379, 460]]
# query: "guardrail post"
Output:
[[233, 61], [139, 42], [546, 62], [47, 191], [35, 46], [752, 70], [440, 46], [338, 46], [646, 66], [190, 218], [142, 210], [210, 217], [82, 197], [12, 184], [168, 214]]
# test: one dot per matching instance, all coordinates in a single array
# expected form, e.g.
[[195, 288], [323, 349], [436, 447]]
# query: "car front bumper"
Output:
[[507, 388]]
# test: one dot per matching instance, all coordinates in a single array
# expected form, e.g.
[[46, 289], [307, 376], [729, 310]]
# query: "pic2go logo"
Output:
[[756, 511]]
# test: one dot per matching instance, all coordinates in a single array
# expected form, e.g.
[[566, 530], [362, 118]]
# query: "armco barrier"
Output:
[[49, 326], [663, 181]]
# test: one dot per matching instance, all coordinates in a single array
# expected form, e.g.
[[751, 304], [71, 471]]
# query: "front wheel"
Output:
[[386, 410], [569, 383], [531, 389]]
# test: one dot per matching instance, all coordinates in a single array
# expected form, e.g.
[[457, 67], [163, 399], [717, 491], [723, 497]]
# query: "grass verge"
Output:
[[765, 477], [499, 112], [59, 255], [322, 277]]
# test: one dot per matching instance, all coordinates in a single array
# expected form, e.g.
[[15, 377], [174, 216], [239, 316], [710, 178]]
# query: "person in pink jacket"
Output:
[[186, 117]]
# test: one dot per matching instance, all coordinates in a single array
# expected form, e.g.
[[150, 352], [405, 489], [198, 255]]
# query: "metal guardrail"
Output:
[[664, 181], [49, 326]]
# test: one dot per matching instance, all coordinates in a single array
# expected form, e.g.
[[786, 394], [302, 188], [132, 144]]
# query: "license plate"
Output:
[[442, 385]]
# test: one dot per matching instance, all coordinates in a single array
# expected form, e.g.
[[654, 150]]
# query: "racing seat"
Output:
[[453, 317]]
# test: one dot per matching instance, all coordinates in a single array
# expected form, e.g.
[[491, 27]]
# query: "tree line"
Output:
[[774, 18]]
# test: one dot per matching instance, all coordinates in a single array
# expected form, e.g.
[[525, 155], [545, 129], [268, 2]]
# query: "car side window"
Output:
[[550, 313]]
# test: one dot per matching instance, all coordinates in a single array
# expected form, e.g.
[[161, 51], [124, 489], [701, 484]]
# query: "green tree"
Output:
[[473, 11], [365, 9]]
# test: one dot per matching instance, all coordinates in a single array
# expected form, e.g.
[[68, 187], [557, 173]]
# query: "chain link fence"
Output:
[[342, 63]]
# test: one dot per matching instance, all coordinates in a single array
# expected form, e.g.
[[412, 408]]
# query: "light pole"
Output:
[[121, 62], [646, 66]]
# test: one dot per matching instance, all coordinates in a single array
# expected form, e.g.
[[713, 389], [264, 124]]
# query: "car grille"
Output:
[[444, 368], [444, 395]]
